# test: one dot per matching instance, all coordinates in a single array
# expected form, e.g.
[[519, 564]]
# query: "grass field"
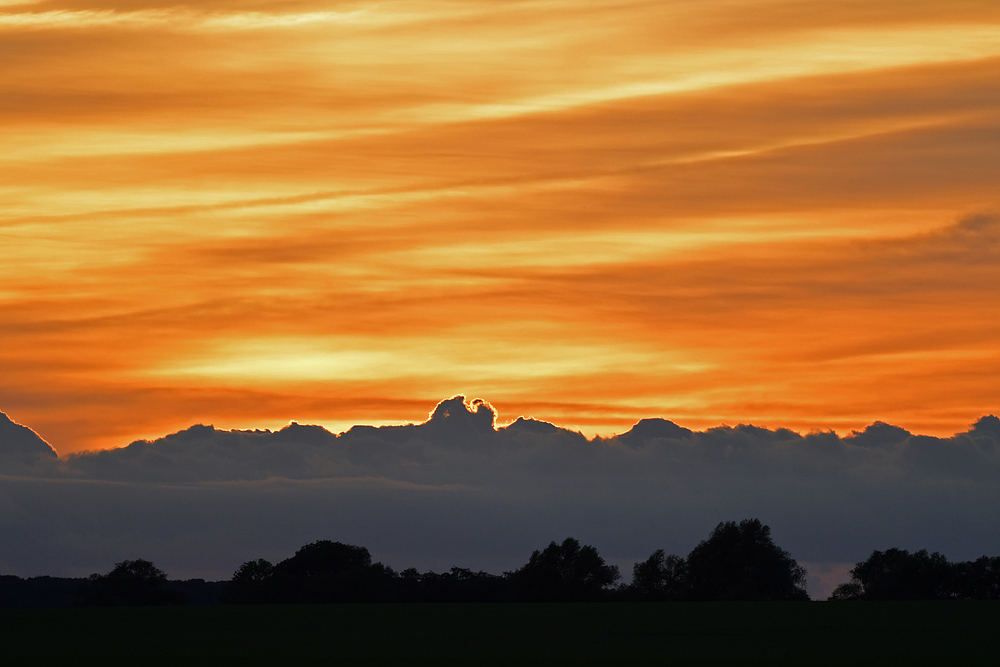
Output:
[[667, 633]]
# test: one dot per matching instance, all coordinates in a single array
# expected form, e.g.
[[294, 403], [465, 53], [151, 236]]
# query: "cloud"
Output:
[[174, 18], [20, 445], [459, 490]]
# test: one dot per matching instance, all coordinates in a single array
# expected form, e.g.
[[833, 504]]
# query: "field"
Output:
[[667, 633]]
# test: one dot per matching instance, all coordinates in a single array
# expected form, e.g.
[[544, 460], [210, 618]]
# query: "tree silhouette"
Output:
[[852, 590], [739, 561], [458, 585], [896, 574], [978, 579], [564, 572], [660, 577], [130, 583], [326, 571], [251, 583]]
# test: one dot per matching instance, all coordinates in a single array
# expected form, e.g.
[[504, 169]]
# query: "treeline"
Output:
[[116, 588], [897, 574], [325, 572], [738, 561]]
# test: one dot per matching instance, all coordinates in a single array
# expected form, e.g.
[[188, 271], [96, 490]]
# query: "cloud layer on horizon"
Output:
[[458, 490]]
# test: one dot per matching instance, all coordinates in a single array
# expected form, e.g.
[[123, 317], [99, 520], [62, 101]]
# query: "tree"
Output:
[[739, 561], [130, 583], [251, 583], [660, 577], [896, 574], [564, 572], [459, 585], [978, 579], [326, 571], [852, 590]]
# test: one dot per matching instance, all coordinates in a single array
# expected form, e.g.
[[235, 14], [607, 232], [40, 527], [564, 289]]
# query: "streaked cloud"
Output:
[[184, 19]]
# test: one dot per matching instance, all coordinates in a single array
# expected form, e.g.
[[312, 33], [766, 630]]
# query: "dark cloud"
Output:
[[20, 445], [457, 490], [880, 434]]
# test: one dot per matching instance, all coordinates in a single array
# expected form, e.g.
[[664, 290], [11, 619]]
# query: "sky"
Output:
[[248, 212], [242, 213]]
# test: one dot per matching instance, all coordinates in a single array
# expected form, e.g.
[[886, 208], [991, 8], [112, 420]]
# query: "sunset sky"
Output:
[[241, 213]]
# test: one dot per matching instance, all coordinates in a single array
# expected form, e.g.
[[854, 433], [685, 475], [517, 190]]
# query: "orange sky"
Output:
[[248, 212]]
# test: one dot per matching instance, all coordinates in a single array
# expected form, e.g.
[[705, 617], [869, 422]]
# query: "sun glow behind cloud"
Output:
[[720, 211], [429, 360]]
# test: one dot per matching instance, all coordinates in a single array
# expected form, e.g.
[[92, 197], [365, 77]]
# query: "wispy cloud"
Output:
[[185, 19]]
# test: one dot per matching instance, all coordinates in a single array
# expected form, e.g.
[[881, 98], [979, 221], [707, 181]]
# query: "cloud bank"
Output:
[[459, 490]]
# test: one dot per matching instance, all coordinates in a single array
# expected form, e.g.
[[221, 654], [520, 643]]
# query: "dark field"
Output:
[[682, 633]]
